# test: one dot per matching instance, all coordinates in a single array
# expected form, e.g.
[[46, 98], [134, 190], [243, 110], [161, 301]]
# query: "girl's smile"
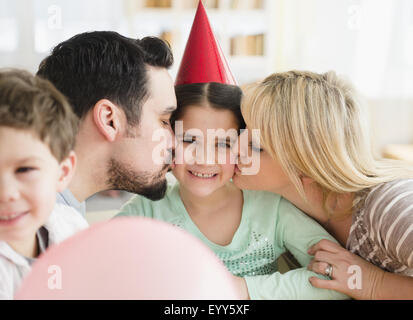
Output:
[[203, 176]]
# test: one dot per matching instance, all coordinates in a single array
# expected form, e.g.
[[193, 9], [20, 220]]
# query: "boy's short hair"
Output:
[[30, 103]]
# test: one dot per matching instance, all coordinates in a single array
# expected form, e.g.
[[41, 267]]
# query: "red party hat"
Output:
[[203, 59]]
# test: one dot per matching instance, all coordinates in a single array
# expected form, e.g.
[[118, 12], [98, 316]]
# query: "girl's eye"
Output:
[[25, 169], [257, 149], [166, 123]]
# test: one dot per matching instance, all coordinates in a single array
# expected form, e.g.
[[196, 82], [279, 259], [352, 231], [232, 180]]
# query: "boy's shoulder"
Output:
[[64, 222], [9, 258], [13, 267]]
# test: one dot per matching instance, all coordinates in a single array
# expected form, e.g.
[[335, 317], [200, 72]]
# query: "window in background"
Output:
[[369, 41], [8, 27], [382, 67]]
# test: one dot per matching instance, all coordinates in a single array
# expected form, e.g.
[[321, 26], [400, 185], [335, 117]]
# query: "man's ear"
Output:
[[106, 117], [67, 170]]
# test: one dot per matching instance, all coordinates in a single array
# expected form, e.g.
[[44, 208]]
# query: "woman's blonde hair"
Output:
[[313, 126]]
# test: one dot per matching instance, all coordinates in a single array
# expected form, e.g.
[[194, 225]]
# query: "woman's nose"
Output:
[[242, 145], [235, 148]]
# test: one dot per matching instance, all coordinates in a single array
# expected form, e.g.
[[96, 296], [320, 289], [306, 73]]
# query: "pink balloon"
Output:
[[129, 259]]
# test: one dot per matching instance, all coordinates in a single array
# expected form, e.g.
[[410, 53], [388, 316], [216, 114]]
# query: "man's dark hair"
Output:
[[105, 65]]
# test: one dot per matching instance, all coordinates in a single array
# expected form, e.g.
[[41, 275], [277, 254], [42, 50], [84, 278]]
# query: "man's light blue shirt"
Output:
[[67, 198]]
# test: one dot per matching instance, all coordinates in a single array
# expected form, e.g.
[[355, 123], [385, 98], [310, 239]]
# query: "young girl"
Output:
[[248, 230]]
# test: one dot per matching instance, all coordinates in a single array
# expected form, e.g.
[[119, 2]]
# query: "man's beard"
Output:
[[146, 184]]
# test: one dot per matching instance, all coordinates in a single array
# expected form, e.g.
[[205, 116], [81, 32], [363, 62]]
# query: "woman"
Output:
[[314, 152]]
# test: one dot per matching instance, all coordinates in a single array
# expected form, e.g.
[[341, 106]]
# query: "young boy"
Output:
[[37, 136]]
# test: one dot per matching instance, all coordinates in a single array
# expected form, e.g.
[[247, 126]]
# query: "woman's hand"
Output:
[[350, 274], [242, 288]]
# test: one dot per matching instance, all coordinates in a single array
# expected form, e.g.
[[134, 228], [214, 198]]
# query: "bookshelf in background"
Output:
[[244, 28], [251, 45], [247, 4]]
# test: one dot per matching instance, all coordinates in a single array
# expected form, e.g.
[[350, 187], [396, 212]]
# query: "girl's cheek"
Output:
[[177, 171], [185, 154], [228, 169]]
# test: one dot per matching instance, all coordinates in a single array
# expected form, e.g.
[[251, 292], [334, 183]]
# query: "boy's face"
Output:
[[30, 176]]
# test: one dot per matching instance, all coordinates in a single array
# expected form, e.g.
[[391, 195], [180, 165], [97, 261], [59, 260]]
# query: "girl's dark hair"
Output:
[[216, 95]]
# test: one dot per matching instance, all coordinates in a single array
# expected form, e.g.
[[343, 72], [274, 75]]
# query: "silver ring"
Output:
[[329, 271]]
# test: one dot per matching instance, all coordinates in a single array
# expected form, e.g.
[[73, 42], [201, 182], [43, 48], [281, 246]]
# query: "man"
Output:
[[121, 91]]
